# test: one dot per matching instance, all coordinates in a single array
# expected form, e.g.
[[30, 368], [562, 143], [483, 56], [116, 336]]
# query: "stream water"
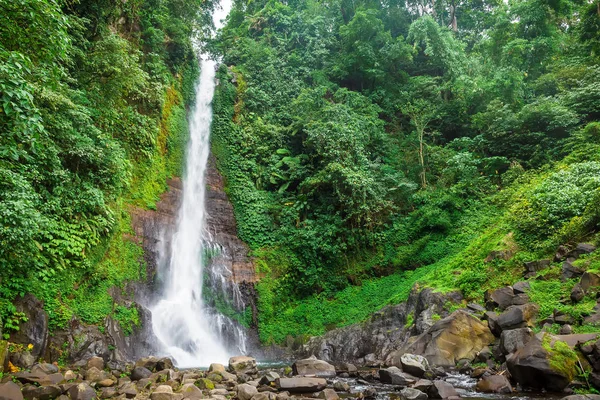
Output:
[[192, 332]]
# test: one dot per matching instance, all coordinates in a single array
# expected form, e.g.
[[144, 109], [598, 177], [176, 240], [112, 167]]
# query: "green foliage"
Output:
[[92, 115], [128, 318], [561, 357]]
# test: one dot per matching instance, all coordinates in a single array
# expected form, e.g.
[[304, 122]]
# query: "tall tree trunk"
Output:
[[453, 21], [421, 132]]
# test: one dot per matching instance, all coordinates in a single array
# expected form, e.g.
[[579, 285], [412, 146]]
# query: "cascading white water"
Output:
[[190, 331]]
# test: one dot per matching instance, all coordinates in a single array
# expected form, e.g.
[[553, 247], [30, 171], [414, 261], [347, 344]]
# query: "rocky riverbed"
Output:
[[157, 379]]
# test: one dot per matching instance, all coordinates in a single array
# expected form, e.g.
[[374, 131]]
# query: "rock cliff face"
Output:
[[374, 341], [155, 227]]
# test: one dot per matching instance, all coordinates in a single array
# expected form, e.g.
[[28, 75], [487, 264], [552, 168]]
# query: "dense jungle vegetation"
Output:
[[92, 122], [369, 145]]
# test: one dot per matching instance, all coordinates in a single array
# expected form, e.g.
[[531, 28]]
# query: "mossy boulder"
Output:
[[458, 336], [3, 354], [205, 384], [545, 362]]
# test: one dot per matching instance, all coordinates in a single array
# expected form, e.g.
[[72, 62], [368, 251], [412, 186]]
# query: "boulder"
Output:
[[577, 293], [341, 386], [582, 397], [412, 394], [108, 393], [521, 287], [10, 391], [442, 390], [569, 271], [484, 355], [476, 308], [205, 383], [140, 373], [423, 385], [164, 363], [128, 389], [458, 336], [38, 378], [494, 384], [147, 362], [82, 391], [96, 362], [589, 280], [301, 384], [511, 341], [328, 394], [218, 368], [164, 392], [44, 368], [369, 393], [243, 365], [313, 367], [414, 364], [93, 374], [543, 364], [42, 392], [518, 317], [191, 391], [258, 396], [269, 378], [499, 298], [582, 248], [565, 330], [532, 267], [395, 376], [245, 391]]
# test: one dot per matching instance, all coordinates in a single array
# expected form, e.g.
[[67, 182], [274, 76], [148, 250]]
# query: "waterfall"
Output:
[[190, 330]]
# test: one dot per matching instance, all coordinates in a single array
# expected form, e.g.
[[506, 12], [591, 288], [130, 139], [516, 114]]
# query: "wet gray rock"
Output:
[[512, 340], [395, 376], [328, 394], [96, 362], [301, 385], [191, 391], [413, 364], [313, 367], [530, 367], [243, 365], [521, 287], [582, 397], [518, 317], [341, 386], [44, 368], [442, 390], [42, 392], [165, 392], [82, 391], [423, 385], [245, 391], [140, 373], [10, 391], [494, 384], [499, 298], [412, 394], [128, 389]]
